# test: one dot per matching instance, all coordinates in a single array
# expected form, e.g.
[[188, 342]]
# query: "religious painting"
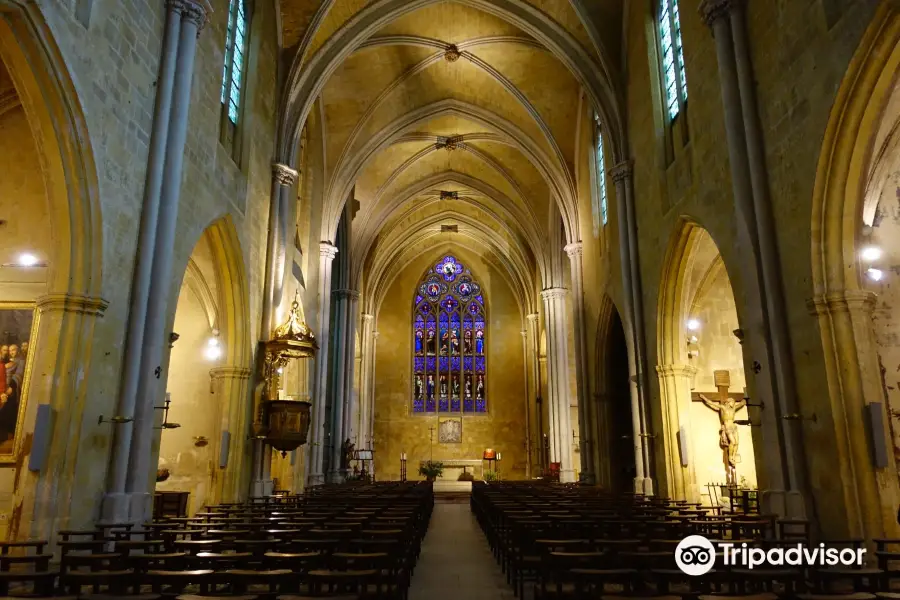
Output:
[[449, 342], [17, 326], [450, 430]]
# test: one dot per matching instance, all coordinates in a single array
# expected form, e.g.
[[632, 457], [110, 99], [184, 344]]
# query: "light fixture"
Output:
[[875, 274], [693, 324], [213, 348], [28, 260], [871, 253]]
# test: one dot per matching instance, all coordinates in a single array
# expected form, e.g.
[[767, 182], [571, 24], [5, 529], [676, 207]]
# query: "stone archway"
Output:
[[69, 305], [208, 373], [841, 303], [697, 315], [616, 452]]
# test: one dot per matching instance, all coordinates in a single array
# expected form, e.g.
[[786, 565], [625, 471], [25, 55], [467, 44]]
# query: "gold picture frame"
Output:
[[18, 327], [450, 430]]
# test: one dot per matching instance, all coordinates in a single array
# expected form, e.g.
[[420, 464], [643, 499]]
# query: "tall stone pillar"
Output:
[[585, 441], [784, 470], [156, 327], [318, 441], [53, 499], [675, 389], [558, 363], [534, 440], [864, 505], [366, 382], [280, 216], [232, 392], [621, 175], [345, 302], [115, 502]]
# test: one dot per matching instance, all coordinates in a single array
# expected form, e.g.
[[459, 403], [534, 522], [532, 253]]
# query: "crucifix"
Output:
[[431, 433], [727, 405]]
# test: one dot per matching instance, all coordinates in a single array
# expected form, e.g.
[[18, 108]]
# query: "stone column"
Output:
[[621, 175], [315, 476], [558, 362], [351, 400], [783, 472], [156, 333], [675, 390], [300, 459], [575, 251], [232, 392], [283, 179], [864, 503], [366, 382], [115, 505], [56, 497], [532, 364], [529, 391], [345, 302]]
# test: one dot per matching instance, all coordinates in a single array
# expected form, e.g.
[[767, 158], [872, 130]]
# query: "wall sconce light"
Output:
[[871, 253], [27, 260], [213, 347], [693, 325]]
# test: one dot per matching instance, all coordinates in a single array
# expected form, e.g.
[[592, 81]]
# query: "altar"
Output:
[[454, 467]]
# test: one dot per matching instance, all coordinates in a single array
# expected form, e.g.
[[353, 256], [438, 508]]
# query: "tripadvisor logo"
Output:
[[696, 555]]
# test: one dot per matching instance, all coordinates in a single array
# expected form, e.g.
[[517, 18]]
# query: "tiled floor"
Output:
[[456, 562]]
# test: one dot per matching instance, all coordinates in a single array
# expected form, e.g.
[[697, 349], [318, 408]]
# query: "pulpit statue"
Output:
[[726, 405], [346, 454]]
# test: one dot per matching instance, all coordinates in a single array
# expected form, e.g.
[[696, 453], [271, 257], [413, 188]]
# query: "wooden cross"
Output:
[[723, 382]]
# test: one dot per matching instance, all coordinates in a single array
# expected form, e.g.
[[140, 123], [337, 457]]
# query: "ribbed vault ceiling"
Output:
[[451, 99]]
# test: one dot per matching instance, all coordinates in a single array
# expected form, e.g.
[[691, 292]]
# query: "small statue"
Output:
[[347, 449]]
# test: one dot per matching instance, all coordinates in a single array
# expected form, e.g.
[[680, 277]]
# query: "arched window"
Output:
[[672, 51], [234, 71], [601, 212], [449, 342]]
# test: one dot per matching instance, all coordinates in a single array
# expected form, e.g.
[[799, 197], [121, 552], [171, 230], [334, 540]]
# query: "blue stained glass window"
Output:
[[601, 212], [449, 341], [672, 49], [235, 58]]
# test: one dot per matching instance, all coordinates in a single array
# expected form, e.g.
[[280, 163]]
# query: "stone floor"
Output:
[[456, 561]]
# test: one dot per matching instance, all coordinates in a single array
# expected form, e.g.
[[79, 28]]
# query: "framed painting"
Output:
[[18, 322], [450, 430]]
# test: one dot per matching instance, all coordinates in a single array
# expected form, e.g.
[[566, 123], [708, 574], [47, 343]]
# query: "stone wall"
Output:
[[397, 430], [800, 52], [112, 59]]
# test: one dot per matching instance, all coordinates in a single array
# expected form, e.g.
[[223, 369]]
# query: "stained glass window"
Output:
[[449, 342], [674, 76], [235, 56], [601, 212]]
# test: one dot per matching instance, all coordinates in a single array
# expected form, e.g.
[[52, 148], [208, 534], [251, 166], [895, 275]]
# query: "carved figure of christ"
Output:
[[726, 405]]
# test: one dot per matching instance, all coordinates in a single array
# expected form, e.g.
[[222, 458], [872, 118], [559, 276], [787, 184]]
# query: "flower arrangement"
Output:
[[431, 470]]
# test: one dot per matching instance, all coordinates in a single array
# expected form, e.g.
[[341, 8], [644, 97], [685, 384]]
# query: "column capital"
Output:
[[346, 294], [676, 370], [574, 249], [713, 10], [842, 301], [230, 373], [74, 303], [327, 250], [283, 174], [367, 318], [195, 11], [622, 171], [533, 317], [554, 293]]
